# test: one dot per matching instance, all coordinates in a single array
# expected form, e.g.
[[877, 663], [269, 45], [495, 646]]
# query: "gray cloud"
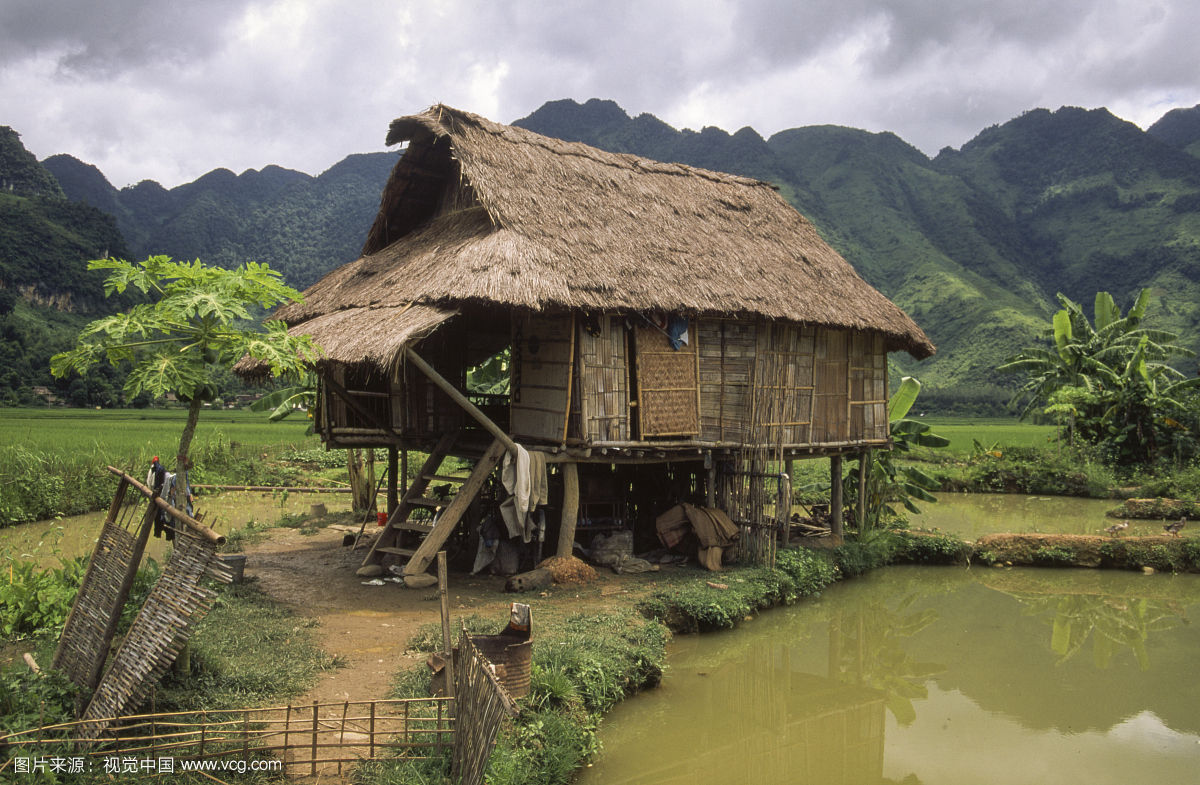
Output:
[[166, 90], [114, 35]]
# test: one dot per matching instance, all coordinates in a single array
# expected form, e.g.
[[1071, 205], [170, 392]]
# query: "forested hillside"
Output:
[[301, 225], [46, 293], [973, 243]]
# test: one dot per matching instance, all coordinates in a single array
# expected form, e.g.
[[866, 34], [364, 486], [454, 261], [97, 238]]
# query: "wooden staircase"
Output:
[[449, 511]]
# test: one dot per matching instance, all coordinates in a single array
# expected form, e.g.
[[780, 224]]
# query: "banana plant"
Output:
[[888, 482]]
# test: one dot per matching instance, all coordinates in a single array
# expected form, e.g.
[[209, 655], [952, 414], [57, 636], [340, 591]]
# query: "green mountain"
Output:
[[1179, 128], [975, 243], [46, 291], [301, 225]]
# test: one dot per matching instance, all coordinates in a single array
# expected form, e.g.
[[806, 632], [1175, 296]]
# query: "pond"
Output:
[[46, 542], [933, 676], [972, 515]]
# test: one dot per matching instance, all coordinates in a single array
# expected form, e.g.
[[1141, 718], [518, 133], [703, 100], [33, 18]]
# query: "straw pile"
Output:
[[568, 569]]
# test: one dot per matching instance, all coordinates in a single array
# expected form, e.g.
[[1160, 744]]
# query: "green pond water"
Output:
[[971, 515], [931, 675], [46, 542]]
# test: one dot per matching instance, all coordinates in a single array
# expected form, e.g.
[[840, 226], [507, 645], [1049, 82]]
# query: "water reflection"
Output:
[[931, 676]]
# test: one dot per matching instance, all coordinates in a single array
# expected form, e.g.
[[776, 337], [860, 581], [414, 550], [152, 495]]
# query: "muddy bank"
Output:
[[1162, 553]]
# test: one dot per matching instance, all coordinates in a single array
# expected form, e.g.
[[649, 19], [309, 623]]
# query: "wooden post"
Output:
[[864, 461], [835, 496], [570, 508], [404, 473], [315, 731], [393, 496], [446, 645], [710, 483]]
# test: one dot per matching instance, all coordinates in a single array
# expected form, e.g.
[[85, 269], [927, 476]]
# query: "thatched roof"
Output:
[[477, 212]]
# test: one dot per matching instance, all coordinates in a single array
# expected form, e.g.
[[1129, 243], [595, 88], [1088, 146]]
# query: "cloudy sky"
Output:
[[168, 90]]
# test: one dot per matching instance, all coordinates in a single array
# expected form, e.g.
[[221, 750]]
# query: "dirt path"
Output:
[[366, 627]]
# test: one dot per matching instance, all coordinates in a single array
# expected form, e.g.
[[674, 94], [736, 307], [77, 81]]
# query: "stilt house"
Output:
[[687, 323]]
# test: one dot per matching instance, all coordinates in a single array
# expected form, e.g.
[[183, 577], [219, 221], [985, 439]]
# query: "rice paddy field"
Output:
[[963, 432], [133, 433], [52, 461]]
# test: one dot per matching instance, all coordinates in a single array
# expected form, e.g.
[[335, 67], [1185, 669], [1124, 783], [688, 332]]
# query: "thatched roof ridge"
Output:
[[480, 212]]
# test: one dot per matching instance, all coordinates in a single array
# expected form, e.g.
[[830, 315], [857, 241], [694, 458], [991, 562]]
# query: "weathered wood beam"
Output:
[[570, 509]]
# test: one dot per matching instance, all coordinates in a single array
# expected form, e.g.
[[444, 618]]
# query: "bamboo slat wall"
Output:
[[604, 379], [541, 363], [727, 351]]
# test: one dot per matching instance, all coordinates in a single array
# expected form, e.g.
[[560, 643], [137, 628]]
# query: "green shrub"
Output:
[[1050, 556], [810, 571], [932, 549], [29, 699], [1032, 470], [34, 600]]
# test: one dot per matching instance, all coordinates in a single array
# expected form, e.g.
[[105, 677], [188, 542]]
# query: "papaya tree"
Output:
[[195, 320]]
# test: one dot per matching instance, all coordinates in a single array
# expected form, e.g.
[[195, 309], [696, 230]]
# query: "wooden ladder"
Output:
[[449, 510]]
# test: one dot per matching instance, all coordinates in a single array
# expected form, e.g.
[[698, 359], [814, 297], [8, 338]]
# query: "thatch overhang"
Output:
[[481, 213]]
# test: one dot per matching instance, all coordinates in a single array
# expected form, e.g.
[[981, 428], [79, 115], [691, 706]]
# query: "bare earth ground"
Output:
[[369, 627], [366, 627]]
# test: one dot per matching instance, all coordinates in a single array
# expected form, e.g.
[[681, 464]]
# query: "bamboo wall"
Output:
[[542, 347], [603, 380], [595, 380]]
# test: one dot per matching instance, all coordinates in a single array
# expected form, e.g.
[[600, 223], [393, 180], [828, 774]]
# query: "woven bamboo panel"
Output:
[[668, 384], [831, 409], [727, 354], [604, 380], [177, 601], [84, 644], [481, 703], [785, 382], [542, 362], [868, 387]]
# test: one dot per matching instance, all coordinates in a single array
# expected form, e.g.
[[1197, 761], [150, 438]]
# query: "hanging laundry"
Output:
[[677, 331]]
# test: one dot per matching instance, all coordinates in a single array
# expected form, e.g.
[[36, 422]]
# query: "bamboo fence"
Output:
[[308, 738]]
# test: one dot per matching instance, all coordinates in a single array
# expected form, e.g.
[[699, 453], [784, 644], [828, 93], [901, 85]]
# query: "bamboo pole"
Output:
[[570, 381], [316, 731], [445, 607], [864, 460], [193, 524]]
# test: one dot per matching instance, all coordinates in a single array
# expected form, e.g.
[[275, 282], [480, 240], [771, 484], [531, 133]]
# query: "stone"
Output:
[[422, 581], [369, 571]]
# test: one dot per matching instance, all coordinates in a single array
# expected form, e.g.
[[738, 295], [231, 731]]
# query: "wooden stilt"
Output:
[[393, 493], [864, 462], [570, 508], [835, 495]]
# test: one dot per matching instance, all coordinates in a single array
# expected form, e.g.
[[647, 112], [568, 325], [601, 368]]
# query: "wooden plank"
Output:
[[454, 512]]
